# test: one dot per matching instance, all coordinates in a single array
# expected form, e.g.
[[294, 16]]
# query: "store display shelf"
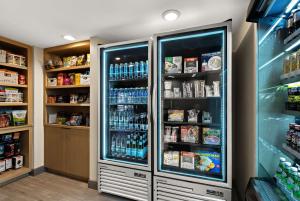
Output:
[[128, 159], [131, 80], [191, 123], [290, 77], [113, 104], [11, 129], [192, 99], [3, 104], [69, 104], [178, 146], [127, 130], [13, 66], [67, 86], [290, 38], [190, 172], [292, 41], [14, 85], [6, 177], [68, 68], [191, 75], [291, 151], [68, 127], [292, 112]]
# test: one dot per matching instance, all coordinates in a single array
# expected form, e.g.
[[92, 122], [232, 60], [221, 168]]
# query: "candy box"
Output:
[[175, 115], [188, 160], [17, 162], [8, 163], [171, 158], [211, 136], [190, 134], [191, 65], [173, 64], [207, 161]]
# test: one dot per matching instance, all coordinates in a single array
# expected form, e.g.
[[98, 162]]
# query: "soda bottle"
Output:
[[292, 177], [280, 167], [136, 70], [130, 69], [113, 145], [126, 71], [146, 68], [123, 145], [116, 72], [111, 72], [121, 71], [128, 145], [142, 69]]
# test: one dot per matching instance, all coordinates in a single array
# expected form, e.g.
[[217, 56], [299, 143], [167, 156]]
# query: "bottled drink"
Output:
[[129, 94], [113, 145], [292, 177], [136, 70], [123, 145], [145, 144], [146, 95], [111, 72], [121, 118], [126, 120], [121, 71], [134, 145], [116, 120], [111, 119], [280, 168], [146, 68], [285, 172], [296, 190], [111, 95], [128, 145], [130, 69], [126, 71], [140, 146], [121, 96], [116, 71], [142, 69], [118, 145]]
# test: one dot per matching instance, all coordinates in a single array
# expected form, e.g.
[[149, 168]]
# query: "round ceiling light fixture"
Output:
[[171, 15], [69, 37]]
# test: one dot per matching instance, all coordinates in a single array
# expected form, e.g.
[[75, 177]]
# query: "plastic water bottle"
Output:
[[111, 95], [111, 119], [113, 145], [121, 71], [146, 68], [116, 120], [111, 72], [142, 69], [136, 70], [131, 69], [146, 95], [116, 72], [133, 145], [118, 145], [129, 94], [126, 120], [126, 71], [128, 145], [123, 145]]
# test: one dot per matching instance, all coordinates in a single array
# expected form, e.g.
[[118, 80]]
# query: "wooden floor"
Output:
[[49, 187]]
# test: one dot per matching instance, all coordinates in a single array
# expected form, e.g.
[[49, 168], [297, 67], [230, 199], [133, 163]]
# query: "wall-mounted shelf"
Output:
[[69, 68], [68, 127], [69, 104], [14, 85], [13, 66], [68, 86], [6, 104]]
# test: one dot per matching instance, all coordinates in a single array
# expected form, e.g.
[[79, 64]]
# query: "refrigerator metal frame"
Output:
[[228, 154], [147, 167]]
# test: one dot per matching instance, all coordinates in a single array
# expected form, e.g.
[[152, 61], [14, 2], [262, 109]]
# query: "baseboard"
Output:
[[37, 171], [93, 185]]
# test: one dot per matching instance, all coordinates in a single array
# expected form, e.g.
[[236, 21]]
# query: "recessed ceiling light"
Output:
[[171, 15], [117, 58], [69, 37]]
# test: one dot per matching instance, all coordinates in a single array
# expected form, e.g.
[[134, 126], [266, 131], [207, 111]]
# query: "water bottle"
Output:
[[121, 119], [136, 70], [111, 72], [146, 68], [113, 145], [111, 95], [126, 120], [116, 120], [130, 69], [136, 122], [126, 71], [128, 145], [118, 145], [146, 95], [145, 144], [116, 72], [123, 145], [111, 119], [142, 69], [129, 94], [121, 71], [133, 145], [121, 96]]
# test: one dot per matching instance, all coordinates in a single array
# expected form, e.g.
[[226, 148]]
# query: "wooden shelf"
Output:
[[11, 129], [68, 86], [14, 85], [68, 68], [68, 127], [6, 104], [69, 104], [6, 177], [13, 66]]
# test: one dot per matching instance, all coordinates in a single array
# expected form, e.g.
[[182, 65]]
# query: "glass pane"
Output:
[[125, 98], [192, 103]]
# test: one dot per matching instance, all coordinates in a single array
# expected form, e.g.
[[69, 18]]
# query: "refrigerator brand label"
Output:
[[215, 193], [139, 175]]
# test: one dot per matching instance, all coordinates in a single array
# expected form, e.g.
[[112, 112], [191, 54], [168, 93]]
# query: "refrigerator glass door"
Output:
[[124, 103], [192, 103]]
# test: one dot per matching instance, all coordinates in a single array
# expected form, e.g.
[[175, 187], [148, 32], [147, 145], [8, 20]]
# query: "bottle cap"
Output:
[[282, 159], [288, 164], [294, 169]]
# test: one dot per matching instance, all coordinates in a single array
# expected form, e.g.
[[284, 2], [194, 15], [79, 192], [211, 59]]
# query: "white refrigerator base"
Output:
[[125, 182]]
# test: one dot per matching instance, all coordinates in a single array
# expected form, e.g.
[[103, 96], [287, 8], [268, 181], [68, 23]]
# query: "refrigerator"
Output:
[[125, 163], [277, 103], [192, 119]]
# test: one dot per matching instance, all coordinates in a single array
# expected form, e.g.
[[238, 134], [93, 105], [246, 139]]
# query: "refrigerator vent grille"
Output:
[[171, 192], [119, 182]]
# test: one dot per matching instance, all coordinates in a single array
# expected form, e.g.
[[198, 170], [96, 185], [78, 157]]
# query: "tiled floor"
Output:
[[49, 187]]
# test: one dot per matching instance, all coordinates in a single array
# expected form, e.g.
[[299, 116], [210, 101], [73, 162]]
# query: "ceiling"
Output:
[[42, 23]]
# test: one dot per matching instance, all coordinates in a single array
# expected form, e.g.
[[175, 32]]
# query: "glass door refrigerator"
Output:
[[278, 87], [125, 120], [192, 122]]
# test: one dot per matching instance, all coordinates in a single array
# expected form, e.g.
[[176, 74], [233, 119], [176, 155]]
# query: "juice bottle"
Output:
[[280, 167], [292, 177]]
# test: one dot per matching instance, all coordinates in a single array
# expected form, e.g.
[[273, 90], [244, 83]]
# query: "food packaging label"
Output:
[[168, 85], [190, 134], [175, 115], [171, 158], [211, 61], [8, 163], [17, 162], [187, 160], [216, 88], [211, 136], [191, 65], [2, 165], [173, 64], [208, 161]]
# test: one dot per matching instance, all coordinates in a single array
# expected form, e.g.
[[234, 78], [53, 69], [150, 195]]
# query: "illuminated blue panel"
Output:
[[223, 104]]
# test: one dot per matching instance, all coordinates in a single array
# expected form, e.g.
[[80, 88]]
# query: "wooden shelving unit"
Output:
[[71, 155], [26, 139]]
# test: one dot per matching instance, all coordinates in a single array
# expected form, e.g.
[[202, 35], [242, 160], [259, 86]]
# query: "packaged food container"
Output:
[[85, 79], [60, 79], [52, 82], [296, 18], [22, 79], [77, 79], [2, 56]]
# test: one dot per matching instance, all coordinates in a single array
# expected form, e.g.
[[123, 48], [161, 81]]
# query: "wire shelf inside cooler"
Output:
[[127, 159]]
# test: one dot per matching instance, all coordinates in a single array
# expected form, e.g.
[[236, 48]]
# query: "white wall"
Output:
[[38, 95]]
